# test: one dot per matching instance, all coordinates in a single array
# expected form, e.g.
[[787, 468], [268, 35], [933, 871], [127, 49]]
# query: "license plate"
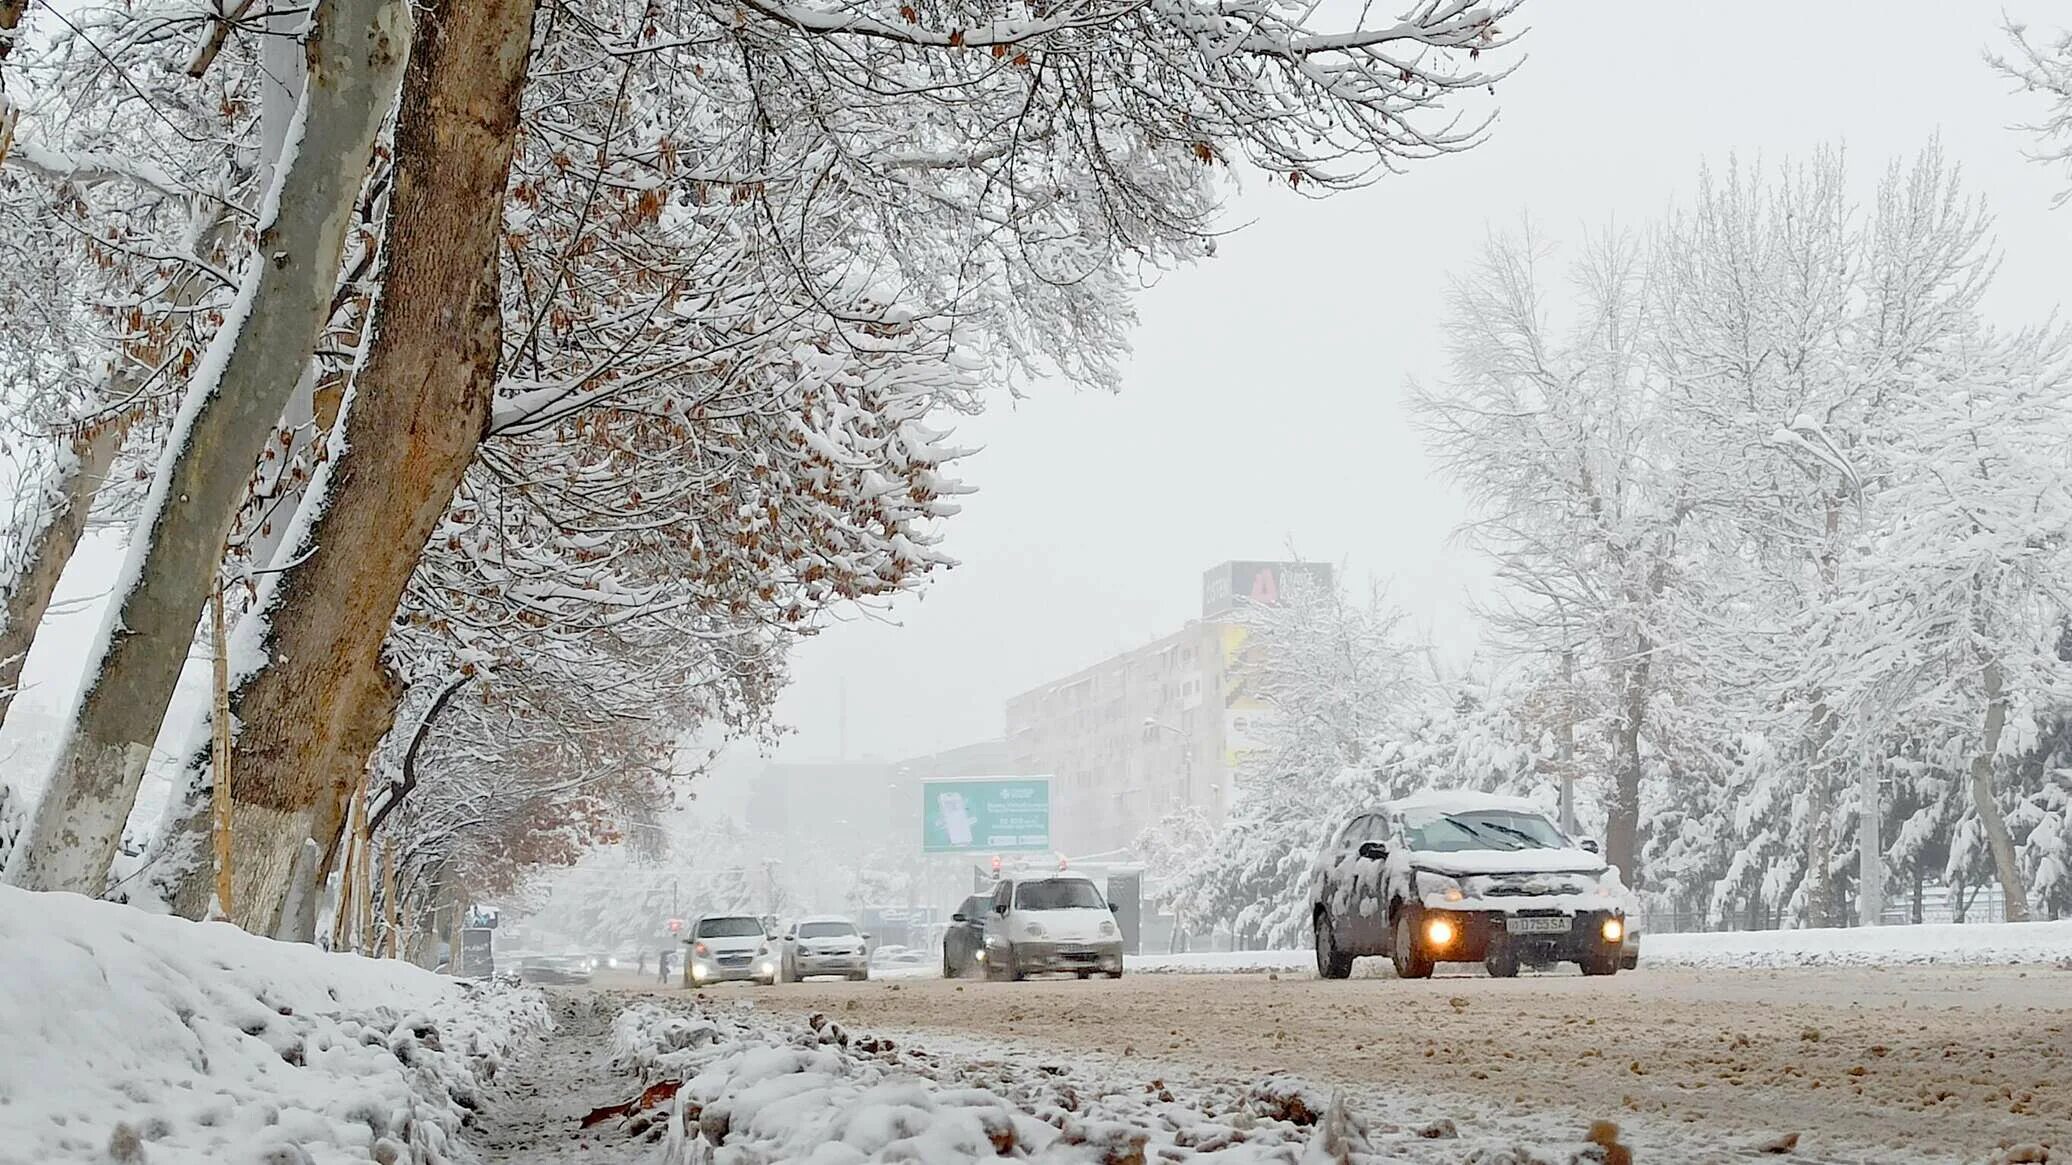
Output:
[[1537, 925]]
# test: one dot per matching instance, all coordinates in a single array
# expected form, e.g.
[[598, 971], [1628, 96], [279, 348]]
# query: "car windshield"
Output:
[[826, 930], [1057, 894], [1432, 831], [975, 905], [729, 928]]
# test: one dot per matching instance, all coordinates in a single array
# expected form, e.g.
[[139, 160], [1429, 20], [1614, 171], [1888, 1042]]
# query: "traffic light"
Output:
[[996, 865]]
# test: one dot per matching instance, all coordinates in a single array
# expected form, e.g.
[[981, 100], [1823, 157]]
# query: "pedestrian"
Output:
[[640, 965], [662, 967]]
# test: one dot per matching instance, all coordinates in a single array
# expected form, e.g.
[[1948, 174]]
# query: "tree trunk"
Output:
[[355, 53], [94, 452], [2014, 891], [1622, 831], [1870, 846], [50, 549], [1819, 839], [185, 883], [419, 406]]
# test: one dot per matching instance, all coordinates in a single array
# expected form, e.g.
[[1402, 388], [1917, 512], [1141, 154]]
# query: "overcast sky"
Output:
[[1264, 404]]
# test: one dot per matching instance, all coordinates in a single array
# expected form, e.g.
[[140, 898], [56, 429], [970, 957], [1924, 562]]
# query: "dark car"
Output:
[[1459, 877], [566, 970], [964, 944]]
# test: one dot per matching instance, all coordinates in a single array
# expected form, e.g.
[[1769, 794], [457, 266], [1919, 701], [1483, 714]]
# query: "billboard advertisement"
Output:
[[1245, 715], [1228, 585], [973, 815]]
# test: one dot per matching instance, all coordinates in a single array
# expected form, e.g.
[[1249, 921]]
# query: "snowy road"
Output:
[[1863, 1064]]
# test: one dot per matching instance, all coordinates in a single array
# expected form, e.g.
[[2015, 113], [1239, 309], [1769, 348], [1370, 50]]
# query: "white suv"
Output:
[[826, 945], [1058, 922]]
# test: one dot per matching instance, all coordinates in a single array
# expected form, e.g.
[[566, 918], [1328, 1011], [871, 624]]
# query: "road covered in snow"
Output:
[[1841, 1063]]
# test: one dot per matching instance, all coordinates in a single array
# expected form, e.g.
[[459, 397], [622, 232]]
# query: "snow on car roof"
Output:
[[826, 918], [1460, 801]]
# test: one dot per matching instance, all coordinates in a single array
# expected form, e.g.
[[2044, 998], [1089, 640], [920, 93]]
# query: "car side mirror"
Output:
[[1589, 845], [866, 936], [959, 917], [1000, 908], [1374, 851], [1114, 909]]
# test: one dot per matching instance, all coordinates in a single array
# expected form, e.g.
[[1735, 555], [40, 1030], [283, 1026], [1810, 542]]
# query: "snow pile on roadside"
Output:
[[1981, 943], [1222, 962], [736, 1085], [137, 1038], [1962, 944]]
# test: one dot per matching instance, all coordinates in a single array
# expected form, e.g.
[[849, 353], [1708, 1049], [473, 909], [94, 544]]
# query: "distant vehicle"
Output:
[[1051, 923], [561, 970], [964, 944], [894, 957], [1458, 877], [824, 945], [728, 948], [626, 959]]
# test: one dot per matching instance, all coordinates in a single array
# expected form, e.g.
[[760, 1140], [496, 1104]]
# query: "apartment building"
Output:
[[1155, 729]]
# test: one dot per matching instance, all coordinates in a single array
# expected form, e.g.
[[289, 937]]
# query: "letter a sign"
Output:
[[1266, 587]]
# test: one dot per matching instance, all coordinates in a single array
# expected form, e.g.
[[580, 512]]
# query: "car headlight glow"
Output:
[[1440, 932], [1034, 930], [1614, 930]]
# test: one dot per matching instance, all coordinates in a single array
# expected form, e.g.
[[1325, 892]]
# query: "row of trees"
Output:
[[1783, 543], [524, 378]]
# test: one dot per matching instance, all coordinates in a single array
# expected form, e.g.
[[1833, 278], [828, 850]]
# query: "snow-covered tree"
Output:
[[2042, 65], [1561, 434]]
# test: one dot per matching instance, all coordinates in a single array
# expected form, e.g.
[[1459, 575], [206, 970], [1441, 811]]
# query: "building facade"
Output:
[[1155, 730]]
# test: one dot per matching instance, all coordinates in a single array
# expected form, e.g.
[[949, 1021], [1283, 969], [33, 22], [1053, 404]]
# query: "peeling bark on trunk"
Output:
[[2014, 891], [419, 407], [299, 912], [356, 53]]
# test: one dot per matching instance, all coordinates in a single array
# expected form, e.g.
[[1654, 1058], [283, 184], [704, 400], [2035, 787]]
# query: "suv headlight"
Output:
[[1107, 930], [1440, 886], [1034, 930]]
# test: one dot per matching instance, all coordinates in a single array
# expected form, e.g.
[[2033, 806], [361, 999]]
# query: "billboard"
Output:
[[1227, 585], [971, 815], [1245, 715]]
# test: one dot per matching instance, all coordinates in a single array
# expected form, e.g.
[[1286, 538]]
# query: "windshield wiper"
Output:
[[1520, 834], [1471, 828]]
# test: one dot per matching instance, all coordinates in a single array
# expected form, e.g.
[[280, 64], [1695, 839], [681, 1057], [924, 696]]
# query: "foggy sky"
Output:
[[1264, 406]]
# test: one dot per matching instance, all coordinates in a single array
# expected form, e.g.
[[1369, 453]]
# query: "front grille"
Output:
[[1530, 889]]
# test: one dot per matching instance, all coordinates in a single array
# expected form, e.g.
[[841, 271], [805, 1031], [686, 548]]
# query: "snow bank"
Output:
[[2004, 943], [731, 1083], [1981, 944], [137, 1038], [1222, 962]]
